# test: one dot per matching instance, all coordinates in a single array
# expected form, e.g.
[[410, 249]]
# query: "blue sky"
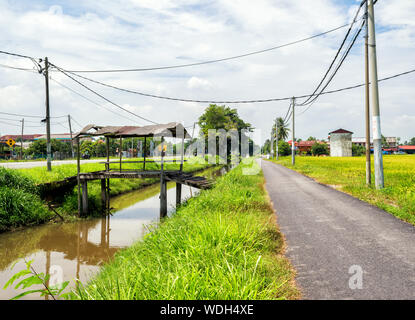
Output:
[[144, 33]]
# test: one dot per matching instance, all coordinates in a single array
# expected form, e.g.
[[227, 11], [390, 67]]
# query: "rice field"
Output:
[[348, 175]]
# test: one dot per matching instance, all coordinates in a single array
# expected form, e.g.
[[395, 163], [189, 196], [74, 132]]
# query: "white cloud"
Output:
[[145, 33]]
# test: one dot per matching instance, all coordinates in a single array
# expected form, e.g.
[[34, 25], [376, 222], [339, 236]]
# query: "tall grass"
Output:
[[223, 244], [20, 203], [348, 175]]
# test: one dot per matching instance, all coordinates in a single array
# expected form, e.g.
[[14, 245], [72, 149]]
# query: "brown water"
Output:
[[71, 251]]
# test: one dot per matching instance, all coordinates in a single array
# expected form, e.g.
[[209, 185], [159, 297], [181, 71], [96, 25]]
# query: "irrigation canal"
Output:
[[77, 250]]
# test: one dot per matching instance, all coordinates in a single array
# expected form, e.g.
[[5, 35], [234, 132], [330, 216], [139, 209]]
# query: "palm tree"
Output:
[[282, 129]]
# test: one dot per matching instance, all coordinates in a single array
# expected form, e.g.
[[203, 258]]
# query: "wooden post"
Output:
[[120, 151], [78, 163], [182, 155], [144, 151], [107, 168], [178, 193], [163, 185], [104, 193], [84, 196]]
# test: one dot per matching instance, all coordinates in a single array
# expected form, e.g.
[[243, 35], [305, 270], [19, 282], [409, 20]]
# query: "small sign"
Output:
[[11, 142], [164, 147]]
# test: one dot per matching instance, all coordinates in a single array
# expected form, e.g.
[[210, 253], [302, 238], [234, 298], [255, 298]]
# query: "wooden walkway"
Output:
[[180, 177]]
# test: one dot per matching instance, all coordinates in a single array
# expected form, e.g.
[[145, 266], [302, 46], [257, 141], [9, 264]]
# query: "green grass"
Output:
[[223, 244], [20, 204], [348, 175]]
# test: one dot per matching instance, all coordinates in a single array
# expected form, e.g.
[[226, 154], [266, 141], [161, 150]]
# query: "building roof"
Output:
[[341, 131], [407, 147], [18, 136], [306, 143], [171, 129], [60, 136]]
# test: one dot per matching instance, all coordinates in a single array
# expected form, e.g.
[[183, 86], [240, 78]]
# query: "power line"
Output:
[[337, 54], [17, 68], [215, 60], [337, 67], [100, 95], [27, 116], [92, 101]]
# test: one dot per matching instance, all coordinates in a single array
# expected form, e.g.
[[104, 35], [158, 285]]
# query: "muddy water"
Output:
[[72, 251]]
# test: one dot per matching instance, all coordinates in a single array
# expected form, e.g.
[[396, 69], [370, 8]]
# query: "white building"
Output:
[[340, 143]]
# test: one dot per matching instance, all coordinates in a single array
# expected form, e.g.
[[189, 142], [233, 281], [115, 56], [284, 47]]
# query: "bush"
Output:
[[20, 208], [358, 150], [284, 148], [319, 149]]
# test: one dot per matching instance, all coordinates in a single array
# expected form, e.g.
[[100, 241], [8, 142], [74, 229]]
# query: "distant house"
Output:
[[340, 143], [304, 146], [16, 137]]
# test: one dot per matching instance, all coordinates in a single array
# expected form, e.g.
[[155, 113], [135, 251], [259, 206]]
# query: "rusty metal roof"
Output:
[[172, 129]]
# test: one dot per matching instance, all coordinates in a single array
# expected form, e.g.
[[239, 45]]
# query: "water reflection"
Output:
[[80, 248]]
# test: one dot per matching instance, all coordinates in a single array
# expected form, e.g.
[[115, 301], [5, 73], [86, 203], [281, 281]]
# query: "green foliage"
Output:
[[35, 278], [222, 244], [358, 150], [318, 149], [38, 147], [412, 142], [284, 148], [20, 203]]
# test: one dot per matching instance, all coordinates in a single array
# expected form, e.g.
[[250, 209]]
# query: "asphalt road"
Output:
[[341, 247], [32, 164]]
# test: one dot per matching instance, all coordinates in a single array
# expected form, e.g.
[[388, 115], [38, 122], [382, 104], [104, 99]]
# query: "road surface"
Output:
[[341, 247], [32, 164]]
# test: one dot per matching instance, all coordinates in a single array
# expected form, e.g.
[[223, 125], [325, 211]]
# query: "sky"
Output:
[[85, 35]]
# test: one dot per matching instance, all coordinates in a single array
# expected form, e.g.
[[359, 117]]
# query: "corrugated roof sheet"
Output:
[[171, 129]]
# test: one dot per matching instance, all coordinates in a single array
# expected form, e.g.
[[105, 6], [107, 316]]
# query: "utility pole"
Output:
[[70, 131], [21, 141], [293, 133], [48, 146], [377, 133], [276, 139], [271, 148], [367, 111]]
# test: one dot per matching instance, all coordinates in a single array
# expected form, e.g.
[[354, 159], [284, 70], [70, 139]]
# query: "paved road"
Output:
[[32, 164], [328, 232]]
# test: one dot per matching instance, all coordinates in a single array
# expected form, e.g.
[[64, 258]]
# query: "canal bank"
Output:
[[223, 244], [77, 250]]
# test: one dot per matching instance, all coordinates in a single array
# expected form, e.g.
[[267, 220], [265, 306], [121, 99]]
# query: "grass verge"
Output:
[[348, 175], [223, 244]]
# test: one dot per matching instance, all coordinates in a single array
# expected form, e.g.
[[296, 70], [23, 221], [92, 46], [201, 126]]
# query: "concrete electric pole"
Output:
[[276, 139], [377, 133], [293, 133], [48, 146], [21, 141], [367, 109], [70, 131]]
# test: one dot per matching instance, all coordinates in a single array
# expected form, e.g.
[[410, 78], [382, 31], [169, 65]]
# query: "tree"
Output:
[[312, 138], [284, 149], [282, 129], [412, 142], [358, 150], [319, 149], [221, 117]]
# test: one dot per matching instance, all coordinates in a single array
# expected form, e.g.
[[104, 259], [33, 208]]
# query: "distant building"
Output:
[[340, 143], [304, 146], [392, 142], [407, 149]]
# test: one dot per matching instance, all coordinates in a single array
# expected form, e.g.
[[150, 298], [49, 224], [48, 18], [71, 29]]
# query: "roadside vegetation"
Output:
[[348, 175], [20, 203], [223, 244]]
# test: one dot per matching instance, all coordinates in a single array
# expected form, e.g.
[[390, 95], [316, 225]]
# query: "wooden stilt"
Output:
[[178, 193], [78, 164], [144, 151], [84, 197], [163, 185], [103, 194]]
